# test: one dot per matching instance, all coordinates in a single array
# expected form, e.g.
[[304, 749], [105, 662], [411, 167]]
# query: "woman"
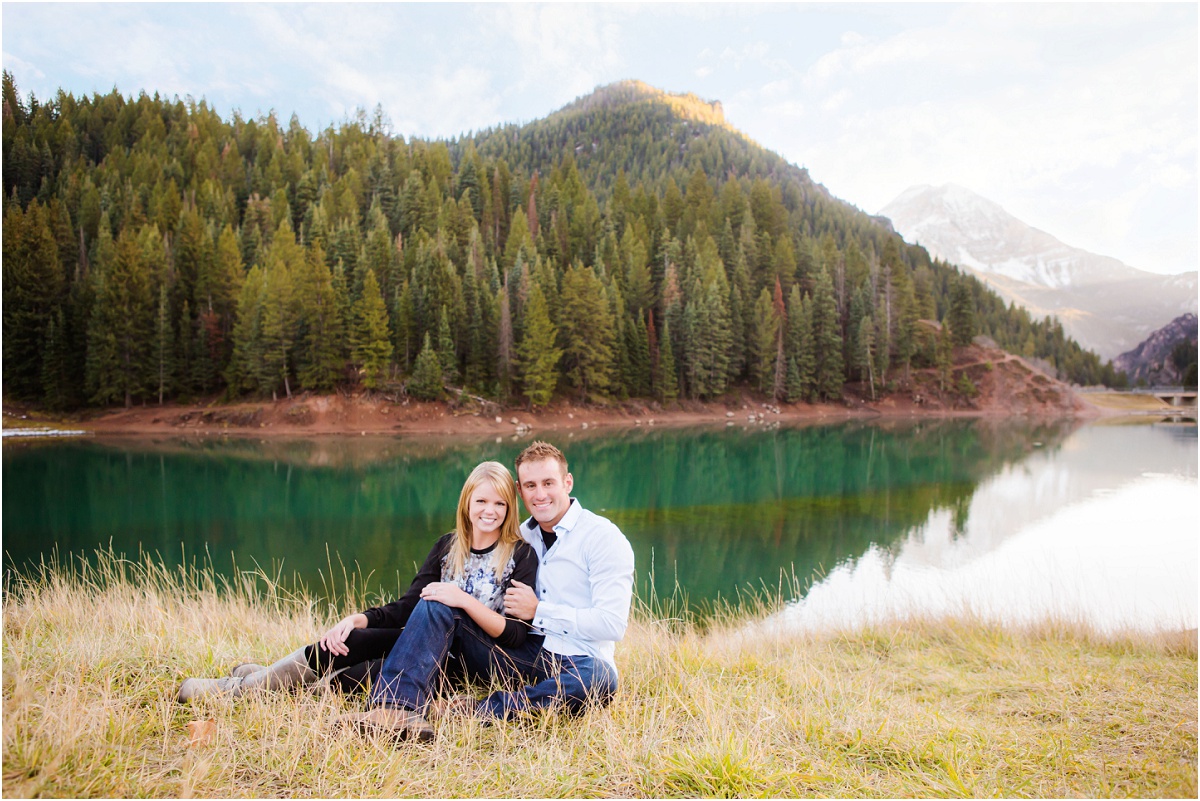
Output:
[[469, 568]]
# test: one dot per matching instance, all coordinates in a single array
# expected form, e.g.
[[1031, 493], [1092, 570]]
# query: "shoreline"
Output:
[[324, 415], [1005, 386]]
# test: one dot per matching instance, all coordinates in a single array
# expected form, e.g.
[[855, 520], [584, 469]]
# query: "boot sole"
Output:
[[404, 733]]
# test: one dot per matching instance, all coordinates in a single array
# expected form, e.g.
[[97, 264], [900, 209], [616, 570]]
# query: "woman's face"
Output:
[[487, 509]]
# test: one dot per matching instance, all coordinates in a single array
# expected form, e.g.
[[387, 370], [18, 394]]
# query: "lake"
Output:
[[851, 521]]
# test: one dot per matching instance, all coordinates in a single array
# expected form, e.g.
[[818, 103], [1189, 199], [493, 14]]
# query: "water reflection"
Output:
[[711, 511], [1101, 530]]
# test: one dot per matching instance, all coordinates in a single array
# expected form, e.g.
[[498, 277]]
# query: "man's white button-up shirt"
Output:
[[584, 584]]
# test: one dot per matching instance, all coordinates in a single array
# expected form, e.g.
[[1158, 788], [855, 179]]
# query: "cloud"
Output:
[[570, 46], [1073, 116], [1046, 111], [15, 64]]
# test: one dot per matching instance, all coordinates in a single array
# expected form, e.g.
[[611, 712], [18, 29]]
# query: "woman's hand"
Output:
[[445, 593], [334, 640]]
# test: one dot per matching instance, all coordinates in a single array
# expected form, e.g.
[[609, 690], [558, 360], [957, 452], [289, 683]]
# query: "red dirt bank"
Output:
[[1007, 386]]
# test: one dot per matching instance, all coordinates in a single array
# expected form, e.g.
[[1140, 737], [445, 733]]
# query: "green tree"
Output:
[[447, 352], [961, 316], [639, 378], [827, 339], [944, 358], [121, 326], [322, 340], [865, 348], [537, 357], [426, 381], [56, 371], [666, 385], [280, 316], [245, 364], [370, 341], [162, 349], [587, 331], [799, 347], [707, 337], [33, 285], [765, 325]]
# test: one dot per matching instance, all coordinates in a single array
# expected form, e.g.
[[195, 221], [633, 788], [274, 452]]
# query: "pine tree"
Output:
[[587, 331], [322, 351], [426, 381], [121, 325], [945, 358], [537, 357], [638, 380], [666, 385], [32, 286], [245, 364], [447, 353], [56, 379], [961, 315], [793, 387], [208, 351], [827, 339], [504, 343], [706, 341], [859, 307], [865, 347], [279, 318], [370, 343], [805, 352], [162, 350], [766, 328], [404, 325]]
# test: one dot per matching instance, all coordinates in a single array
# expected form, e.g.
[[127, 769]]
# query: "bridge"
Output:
[[1177, 397]]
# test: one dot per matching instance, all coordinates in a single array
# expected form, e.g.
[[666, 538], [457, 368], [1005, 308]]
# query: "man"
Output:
[[580, 605]]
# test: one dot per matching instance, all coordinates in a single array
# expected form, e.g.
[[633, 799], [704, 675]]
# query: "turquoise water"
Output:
[[710, 512]]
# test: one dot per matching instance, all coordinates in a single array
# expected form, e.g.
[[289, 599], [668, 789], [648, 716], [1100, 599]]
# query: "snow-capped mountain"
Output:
[[1104, 304]]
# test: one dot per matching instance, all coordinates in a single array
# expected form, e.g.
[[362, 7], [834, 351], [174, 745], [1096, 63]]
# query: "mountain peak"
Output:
[[630, 92], [961, 226], [1101, 302], [1151, 360]]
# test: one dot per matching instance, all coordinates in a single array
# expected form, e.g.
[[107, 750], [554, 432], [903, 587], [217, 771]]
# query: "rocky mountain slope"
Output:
[[1103, 303], [1151, 360]]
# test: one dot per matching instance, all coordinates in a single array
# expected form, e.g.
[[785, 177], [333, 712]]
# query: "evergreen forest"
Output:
[[630, 245]]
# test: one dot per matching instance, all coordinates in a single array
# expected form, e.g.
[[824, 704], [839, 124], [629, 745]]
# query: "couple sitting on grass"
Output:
[[537, 607]]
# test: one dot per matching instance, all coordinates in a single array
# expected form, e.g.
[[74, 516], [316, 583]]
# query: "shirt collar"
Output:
[[568, 520]]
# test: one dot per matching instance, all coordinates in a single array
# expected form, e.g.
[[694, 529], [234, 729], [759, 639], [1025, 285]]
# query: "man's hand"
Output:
[[520, 601]]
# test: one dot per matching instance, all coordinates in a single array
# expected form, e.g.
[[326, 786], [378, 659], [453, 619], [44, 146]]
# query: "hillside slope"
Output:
[[630, 245], [1151, 361]]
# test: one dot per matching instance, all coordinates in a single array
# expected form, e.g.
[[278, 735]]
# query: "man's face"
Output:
[[546, 490]]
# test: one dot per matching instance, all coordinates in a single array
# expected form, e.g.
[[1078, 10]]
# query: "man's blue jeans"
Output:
[[439, 641], [570, 682]]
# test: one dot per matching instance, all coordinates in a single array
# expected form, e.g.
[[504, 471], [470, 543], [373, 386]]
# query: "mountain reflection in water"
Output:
[[710, 512], [1101, 531]]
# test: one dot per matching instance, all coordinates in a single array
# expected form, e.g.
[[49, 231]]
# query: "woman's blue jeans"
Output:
[[440, 642]]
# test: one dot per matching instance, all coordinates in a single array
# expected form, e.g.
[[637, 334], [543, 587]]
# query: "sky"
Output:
[[1080, 119]]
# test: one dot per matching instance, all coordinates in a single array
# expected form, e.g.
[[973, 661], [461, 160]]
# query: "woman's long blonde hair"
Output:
[[501, 480]]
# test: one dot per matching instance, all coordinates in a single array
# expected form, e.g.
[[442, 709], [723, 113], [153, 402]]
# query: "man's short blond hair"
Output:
[[537, 451]]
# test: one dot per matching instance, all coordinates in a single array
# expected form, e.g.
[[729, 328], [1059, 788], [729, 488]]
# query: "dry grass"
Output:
[[936, 708], [1127, 402]]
